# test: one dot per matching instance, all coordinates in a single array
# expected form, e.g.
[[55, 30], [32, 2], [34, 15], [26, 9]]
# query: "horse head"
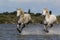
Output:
[[45, 11], [20, 12]]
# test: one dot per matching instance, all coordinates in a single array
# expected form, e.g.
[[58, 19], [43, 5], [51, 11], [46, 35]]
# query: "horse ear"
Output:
[[45, 8], [19, 9]]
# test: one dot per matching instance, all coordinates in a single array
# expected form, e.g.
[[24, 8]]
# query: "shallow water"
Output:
[[9, 32]]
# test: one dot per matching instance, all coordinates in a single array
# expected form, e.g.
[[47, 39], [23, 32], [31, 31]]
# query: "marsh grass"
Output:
[[11, 18]]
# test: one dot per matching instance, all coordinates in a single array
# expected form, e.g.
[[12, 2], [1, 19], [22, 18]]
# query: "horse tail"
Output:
[[30, 19], [57, 22]]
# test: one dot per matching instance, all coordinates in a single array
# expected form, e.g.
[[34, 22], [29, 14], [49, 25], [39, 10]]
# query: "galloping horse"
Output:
[[49, 19], [22, 19]]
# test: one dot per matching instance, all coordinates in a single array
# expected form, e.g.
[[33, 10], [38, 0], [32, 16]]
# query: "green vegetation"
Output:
[[6, 17], [11, 18], [58, 18]]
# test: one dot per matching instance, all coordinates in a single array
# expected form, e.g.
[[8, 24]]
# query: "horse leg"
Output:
[[46, 28], [51, 25], [18, 27], [23, 26], [56, 22], [29, 22]]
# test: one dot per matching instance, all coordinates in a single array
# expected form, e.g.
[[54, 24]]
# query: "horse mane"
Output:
[[22, 12]]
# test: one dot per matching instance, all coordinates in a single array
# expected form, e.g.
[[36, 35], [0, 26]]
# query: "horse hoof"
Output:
[[51, 26], [46, 31], [43, 29], [18, 30]]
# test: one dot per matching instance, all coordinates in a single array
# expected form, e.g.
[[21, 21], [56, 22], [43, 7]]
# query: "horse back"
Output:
[[53, 18], [28, 16]]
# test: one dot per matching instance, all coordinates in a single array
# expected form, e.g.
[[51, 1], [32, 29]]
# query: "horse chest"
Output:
[[47, 19]]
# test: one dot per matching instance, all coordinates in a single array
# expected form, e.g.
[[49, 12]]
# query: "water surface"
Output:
[[9, 32]]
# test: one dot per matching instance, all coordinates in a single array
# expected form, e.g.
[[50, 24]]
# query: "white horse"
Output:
[[22, 19], [49, 19]]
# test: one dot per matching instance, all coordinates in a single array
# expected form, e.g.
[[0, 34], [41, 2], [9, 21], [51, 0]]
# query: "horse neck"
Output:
[[47, 15], [22, 13]]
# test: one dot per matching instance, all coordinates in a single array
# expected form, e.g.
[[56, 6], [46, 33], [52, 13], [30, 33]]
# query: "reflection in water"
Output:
[[9, 32]]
